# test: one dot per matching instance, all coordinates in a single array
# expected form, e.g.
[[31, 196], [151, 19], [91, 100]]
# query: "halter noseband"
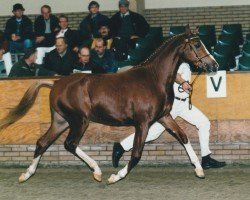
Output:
[[199, 59]]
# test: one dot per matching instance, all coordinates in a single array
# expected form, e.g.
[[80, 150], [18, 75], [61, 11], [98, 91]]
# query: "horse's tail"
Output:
[[25, 104]]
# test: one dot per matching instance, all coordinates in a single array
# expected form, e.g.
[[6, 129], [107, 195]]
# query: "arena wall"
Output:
[[230, 128]]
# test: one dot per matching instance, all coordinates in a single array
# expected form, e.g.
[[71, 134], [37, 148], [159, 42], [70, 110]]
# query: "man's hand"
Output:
[[2, 51], [186, 87], [15, 37], [134, 37], [40, 39]]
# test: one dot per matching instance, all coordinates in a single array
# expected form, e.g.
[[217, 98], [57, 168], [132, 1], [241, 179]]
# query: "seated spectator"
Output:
[[101, 56], [5, 57], [26, 67], [46, 26], [71, 36], [18, 29], [126, 27], [3, 45], [90, 24], [85, 63], [62, 59], [104, 33]]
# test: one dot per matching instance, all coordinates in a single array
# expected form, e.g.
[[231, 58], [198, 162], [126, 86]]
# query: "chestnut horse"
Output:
[[137, 97]]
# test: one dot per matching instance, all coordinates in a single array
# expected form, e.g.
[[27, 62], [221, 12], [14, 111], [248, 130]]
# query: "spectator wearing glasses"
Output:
[[71, 35], [85, 63]]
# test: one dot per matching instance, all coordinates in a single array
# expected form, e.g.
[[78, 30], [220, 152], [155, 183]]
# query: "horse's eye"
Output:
[[197, 45]]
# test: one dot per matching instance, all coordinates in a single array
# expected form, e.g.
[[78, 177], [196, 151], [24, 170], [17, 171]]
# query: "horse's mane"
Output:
[[158, 50]]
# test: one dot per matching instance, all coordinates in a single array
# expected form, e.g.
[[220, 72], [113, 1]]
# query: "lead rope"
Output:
[[191, 92]]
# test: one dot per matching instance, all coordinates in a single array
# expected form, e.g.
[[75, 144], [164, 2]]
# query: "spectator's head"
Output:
[[93, 7], [61, 44], [104, 29], [123, 6], [46, 11], [84, 55], [63, 22], [30, 55], [100, 46], [18, 10]]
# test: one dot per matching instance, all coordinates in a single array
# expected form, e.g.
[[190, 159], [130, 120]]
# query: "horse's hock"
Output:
[[229, 140]]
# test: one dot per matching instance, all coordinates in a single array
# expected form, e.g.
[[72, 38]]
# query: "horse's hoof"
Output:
[[22, 178], [97, 177], [199, 173], [111, 179]]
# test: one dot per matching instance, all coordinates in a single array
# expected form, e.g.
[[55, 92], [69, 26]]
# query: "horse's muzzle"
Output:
[[212, 68]]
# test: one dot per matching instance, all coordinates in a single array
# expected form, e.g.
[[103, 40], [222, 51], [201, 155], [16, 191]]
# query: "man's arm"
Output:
[[185, 84]]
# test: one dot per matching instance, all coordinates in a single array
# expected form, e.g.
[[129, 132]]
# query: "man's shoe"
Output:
[[208, 162], [117, 154]]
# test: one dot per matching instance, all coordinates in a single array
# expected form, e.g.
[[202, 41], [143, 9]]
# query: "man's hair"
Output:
[[62, 38], [93, 3], [83, 47], [103, 41], [46, 6], [28, 52], [64, 16]]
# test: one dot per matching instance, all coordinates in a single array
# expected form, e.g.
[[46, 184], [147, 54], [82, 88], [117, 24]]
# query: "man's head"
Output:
[[123, 6], [63, 22], [93, 7], [46, 11], [104, 29], [30, 55], [84, 55], [100, 46], [61, 44], [18, 10]]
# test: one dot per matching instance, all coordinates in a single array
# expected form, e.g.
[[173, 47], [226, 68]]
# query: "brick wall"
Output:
[[153, 154], [217, 16]]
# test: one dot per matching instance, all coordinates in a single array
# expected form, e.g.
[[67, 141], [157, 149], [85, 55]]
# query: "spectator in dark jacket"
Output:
[[71, 35], [46, 26], [62, 59], [126, 27], [128, 24], [19, 29], [103, 57], [90, 24], [27, 67], [85, 63]]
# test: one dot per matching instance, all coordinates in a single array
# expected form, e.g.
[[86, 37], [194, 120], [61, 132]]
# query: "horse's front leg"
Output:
[[139, 141], [178, 133]]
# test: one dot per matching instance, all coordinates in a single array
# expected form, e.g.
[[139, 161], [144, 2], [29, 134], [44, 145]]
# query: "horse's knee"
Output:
[[69, 146]]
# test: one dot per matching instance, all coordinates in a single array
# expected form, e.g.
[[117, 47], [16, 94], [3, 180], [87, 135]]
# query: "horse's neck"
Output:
[[167, 68]]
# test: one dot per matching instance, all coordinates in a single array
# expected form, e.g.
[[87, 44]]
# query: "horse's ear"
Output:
[[196, 31], [188, 30]]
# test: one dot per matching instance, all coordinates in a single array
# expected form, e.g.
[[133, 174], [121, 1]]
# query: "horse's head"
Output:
[[196, 53]]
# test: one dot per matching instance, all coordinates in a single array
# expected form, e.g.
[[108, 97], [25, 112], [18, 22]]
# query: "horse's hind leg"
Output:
[[139, 141], [77, 128], [58, 126], [178, 133]]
